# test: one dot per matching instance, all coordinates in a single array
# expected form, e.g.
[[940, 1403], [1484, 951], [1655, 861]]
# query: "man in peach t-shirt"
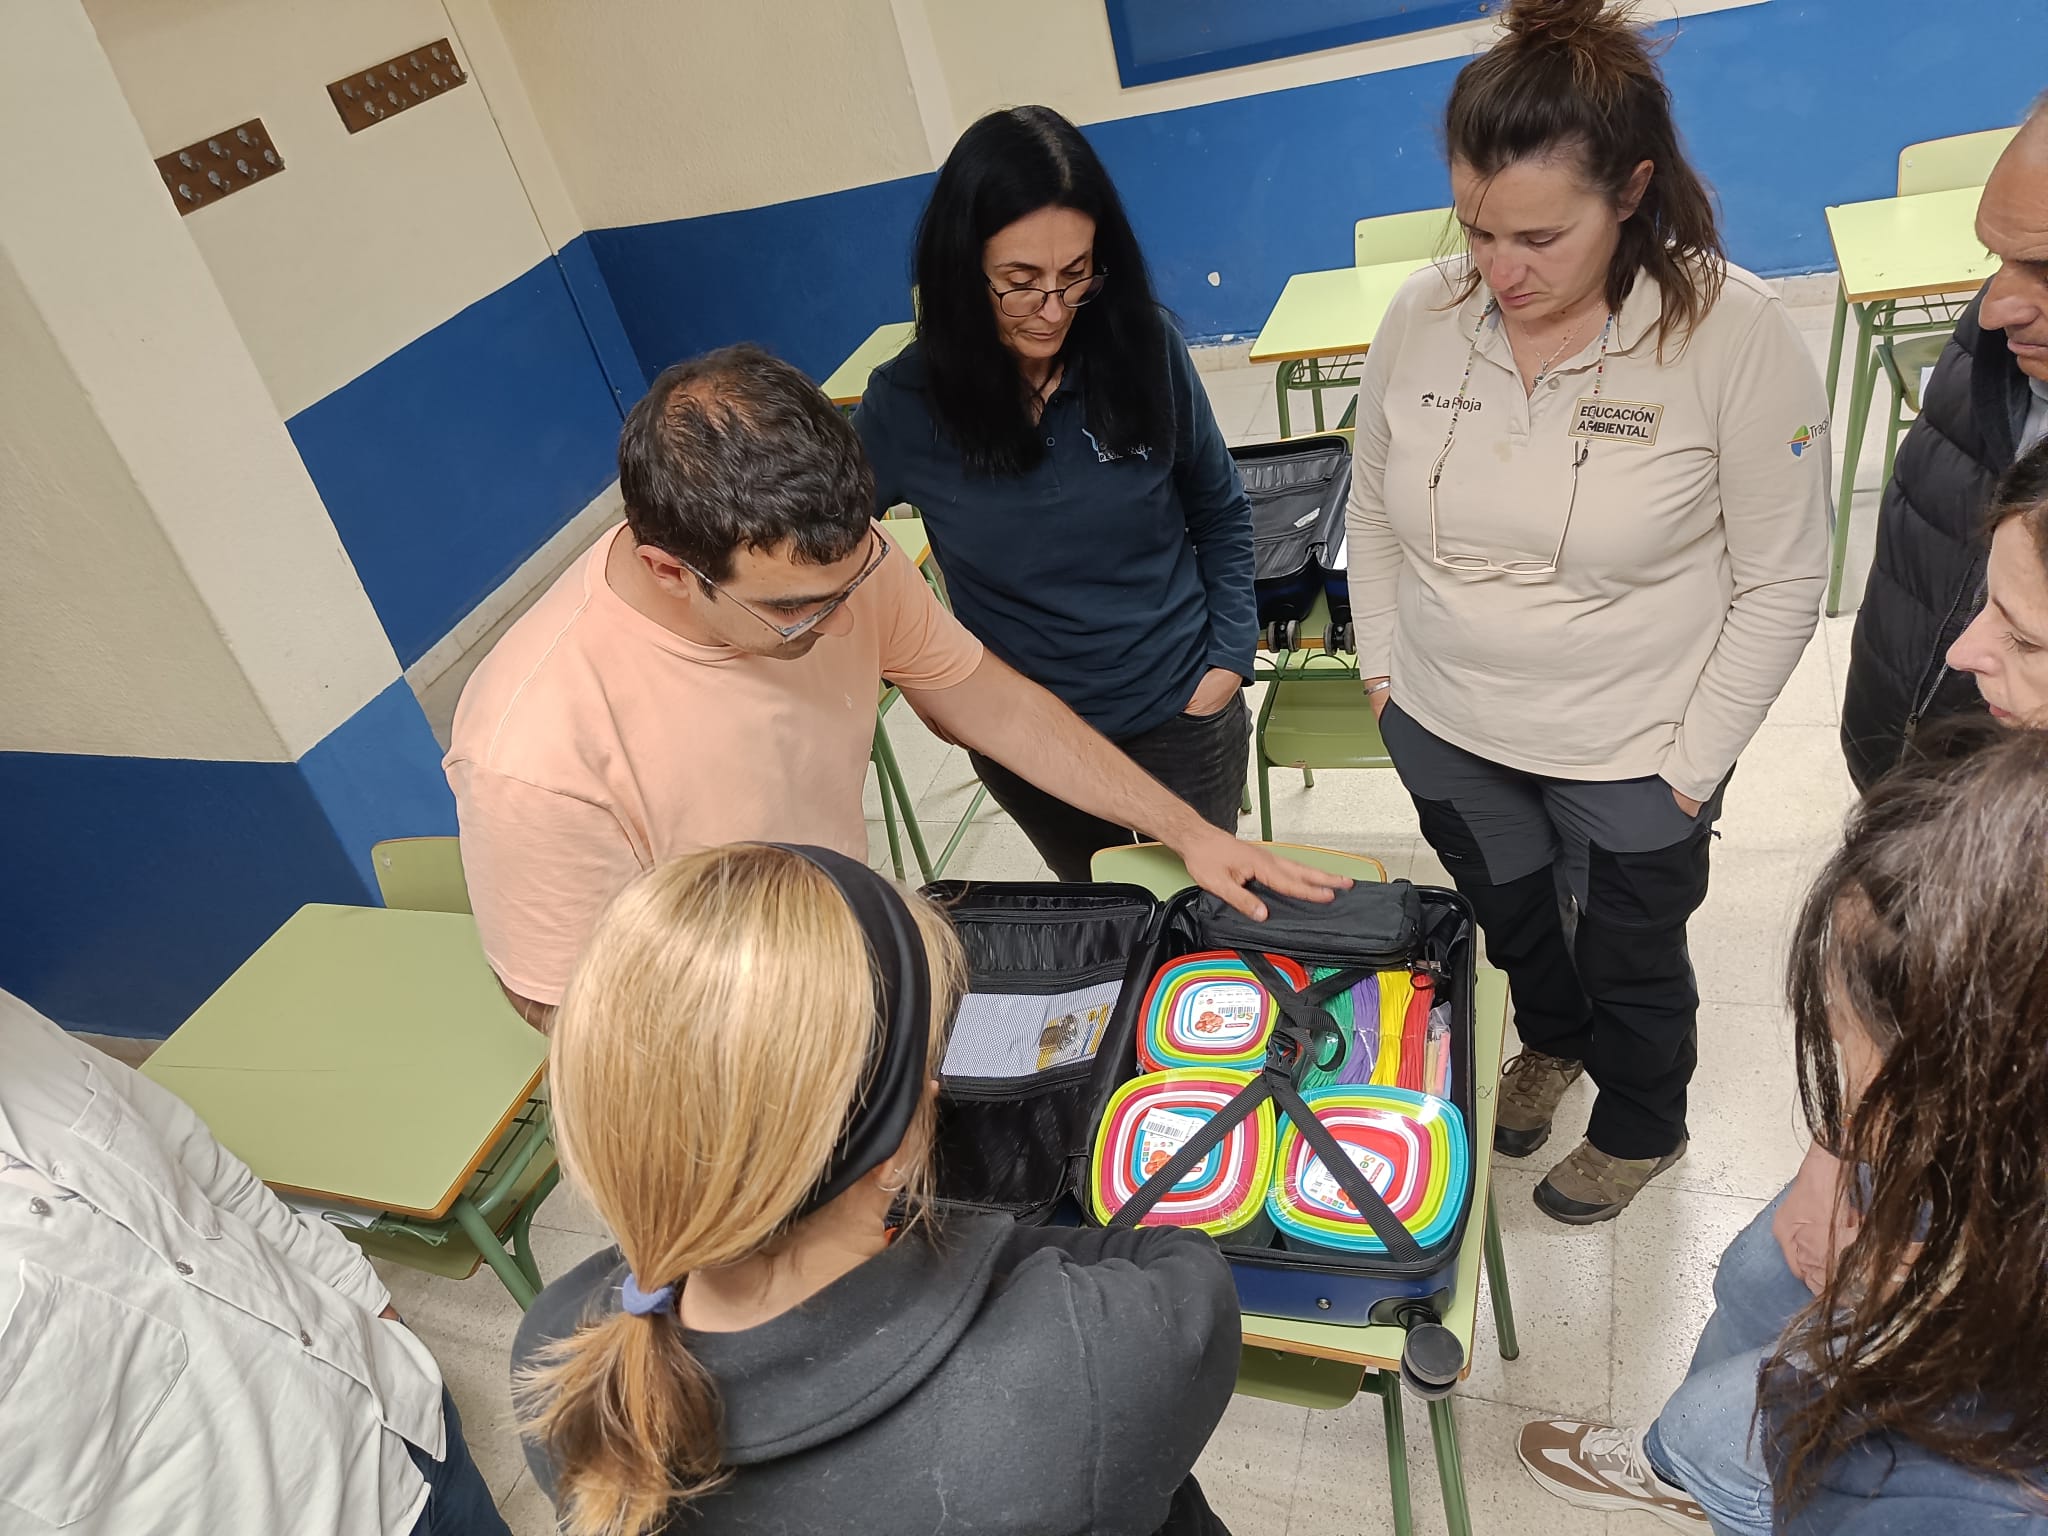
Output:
[[709, 672]]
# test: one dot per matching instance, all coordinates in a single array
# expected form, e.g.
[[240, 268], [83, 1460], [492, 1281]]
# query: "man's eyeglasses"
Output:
[[809, 621], [1021, 303]]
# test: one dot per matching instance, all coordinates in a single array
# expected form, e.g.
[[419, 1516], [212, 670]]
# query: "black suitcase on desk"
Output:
[[1022, 1143], [1297, 488]]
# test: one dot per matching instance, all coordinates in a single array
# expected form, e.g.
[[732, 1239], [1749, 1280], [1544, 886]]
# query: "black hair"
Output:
[[1006, 166], [737, 449]]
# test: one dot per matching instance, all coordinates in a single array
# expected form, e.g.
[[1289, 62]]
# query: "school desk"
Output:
[[849, 380], [1324, 315], [365, 1057], [1326, 1365], [1893, 249]]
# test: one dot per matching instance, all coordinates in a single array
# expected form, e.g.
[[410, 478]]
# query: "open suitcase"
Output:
[[1059, 977], [1298, 489]]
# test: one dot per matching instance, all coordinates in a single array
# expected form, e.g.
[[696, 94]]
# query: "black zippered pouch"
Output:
[[1374, 924]]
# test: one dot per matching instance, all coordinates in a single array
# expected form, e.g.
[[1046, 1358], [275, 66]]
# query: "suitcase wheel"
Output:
[[1431, 1359]]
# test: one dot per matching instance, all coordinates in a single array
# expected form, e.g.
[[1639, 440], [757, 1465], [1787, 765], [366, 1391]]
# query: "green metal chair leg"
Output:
[[503, 1265], [1308, 778], [1497, 1283], [1283, 384], [1244, 800], [888, 805], [1835, 342], [1389, 1388], [1450, 1466], [1315, 378], [892, 783], [959, 832], [1891, 441], [1860, 393], [521, 1235]]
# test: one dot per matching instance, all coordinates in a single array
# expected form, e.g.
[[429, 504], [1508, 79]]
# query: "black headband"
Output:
[[898, 1058]]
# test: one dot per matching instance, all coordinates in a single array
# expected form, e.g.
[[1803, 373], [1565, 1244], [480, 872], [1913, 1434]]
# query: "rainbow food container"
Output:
[[1208, 1010], [1150, 1118], [1411, 1146]]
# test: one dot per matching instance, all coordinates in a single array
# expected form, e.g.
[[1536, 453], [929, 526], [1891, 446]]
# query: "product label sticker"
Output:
[[1164, 1132], [1224, 1013], [1320, 1185], [1072, 1036], [1617, 421]]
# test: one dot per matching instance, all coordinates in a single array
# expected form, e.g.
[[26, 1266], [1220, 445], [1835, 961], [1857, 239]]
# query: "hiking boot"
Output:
[[1596, 1467], [1590, 1186], [1530, 1086]]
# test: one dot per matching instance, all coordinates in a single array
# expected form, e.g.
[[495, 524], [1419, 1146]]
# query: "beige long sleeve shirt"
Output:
[[180, 1351], [1690, 576]]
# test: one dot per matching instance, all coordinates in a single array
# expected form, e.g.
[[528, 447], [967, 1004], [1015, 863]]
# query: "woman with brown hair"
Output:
[[1882, 1326], [743, 1083], [2006, 645], [1588, 536]]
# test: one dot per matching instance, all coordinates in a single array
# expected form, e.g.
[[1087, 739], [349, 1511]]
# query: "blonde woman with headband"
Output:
[[743, 1080]]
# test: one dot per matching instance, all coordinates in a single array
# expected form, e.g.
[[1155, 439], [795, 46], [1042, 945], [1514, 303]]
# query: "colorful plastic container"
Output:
[[1411, 1146], [1150, 1118], [1208, 1010]]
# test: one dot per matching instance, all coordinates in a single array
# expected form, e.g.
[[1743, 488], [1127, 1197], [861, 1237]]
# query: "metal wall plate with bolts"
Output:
[[219, 166], [387, 89]]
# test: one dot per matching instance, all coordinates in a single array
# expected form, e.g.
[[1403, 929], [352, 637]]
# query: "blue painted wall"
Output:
[[135, 886], [1786, 107], [455, 458]]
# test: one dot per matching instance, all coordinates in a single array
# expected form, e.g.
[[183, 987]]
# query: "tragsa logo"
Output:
[[1806, 437]]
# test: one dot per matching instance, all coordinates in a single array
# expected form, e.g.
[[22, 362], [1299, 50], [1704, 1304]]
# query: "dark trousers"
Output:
[[1619, 993], [458, 1502], [1202, 759]]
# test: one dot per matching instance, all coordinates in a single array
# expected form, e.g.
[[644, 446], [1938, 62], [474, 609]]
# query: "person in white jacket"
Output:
[[180, 1351]]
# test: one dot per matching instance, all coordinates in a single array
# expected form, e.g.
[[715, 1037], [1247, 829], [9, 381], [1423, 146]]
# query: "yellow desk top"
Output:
[[363, 1055], [1910, 247], [910, 537], [1329, 314], [849, 380], [1379, 1347]]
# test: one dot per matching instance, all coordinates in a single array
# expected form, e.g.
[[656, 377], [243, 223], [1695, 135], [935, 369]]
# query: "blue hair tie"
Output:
[[645, 1303]]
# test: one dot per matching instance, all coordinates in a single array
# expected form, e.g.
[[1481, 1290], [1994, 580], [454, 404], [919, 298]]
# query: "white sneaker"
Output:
[[1598, 1467]]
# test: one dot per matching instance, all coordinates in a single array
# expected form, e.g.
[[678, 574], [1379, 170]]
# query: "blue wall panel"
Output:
[[135, 886], [808, 279], [378, 775], [1786, 106], [601, 320], [458, 456]]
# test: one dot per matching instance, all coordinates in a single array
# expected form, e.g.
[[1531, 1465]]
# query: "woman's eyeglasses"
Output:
[[1480, 563], [809, 621], [1021, 303]]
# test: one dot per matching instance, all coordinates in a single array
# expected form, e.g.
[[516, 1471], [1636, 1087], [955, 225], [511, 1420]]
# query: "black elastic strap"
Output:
[[1307, 1009], [899, 1052], [1285, 1056]]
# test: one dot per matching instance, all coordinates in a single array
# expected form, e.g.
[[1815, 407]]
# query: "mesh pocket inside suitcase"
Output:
[[1009, 1035]]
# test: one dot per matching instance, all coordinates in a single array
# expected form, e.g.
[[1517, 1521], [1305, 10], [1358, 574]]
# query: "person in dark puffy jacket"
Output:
[[1987, 402]]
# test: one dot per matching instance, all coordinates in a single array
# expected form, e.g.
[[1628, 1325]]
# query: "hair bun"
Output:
[[1551, 21]]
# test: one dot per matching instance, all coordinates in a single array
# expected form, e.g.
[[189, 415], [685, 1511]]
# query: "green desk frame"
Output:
[[1320, 328], [1898, 256]]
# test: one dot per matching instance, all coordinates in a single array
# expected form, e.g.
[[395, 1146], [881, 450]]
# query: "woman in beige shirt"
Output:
[[1588, 534]]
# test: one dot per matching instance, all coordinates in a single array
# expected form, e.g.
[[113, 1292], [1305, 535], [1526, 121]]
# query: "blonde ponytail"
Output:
[[709, 1049]]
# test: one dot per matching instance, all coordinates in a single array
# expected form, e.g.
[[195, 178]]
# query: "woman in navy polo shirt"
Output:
[[1048, 423]]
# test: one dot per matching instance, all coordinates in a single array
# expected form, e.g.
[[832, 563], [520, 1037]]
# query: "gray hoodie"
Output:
[[991, 1379]]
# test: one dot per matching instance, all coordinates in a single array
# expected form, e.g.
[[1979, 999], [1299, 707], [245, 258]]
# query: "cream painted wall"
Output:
[[120, 292], [104, 645], [367, 241], [666, 109], [1064, 59]]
